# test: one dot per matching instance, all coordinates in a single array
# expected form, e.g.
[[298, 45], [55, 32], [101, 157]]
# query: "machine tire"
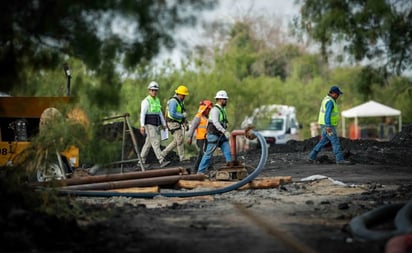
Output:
[[50, 170]]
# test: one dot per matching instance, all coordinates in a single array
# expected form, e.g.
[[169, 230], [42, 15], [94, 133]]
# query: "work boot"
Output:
[[184, 159], [147, 166], [310, 161], [164, 163], [344, 162]]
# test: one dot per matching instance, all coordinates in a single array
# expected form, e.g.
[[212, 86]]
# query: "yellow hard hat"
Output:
[[182, 90]]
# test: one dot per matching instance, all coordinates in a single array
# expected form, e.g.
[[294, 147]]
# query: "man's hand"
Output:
[[189, 141], [184, 114], [329, 131], [142, 130], [227, 134]]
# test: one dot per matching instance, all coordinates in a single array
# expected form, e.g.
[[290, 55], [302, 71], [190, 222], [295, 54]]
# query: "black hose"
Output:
[[360, 226], [403, 219], [250, 177]]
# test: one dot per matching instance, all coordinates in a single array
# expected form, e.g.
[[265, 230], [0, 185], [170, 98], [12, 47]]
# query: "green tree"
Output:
[[379, 31], [37, 35]]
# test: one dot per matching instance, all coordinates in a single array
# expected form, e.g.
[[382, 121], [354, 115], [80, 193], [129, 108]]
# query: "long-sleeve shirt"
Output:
[[144, 107], [193, 126], [328, 113], [214, 118], [172, 107]]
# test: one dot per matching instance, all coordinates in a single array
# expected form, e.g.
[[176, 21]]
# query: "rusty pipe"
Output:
[[116, 177], [233, 135], [140, 182]]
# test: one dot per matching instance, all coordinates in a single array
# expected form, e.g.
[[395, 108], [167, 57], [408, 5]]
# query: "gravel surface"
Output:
[[309, 214]]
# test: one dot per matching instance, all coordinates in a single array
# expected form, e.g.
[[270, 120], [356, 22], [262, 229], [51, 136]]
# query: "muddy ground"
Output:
[[311, 212]]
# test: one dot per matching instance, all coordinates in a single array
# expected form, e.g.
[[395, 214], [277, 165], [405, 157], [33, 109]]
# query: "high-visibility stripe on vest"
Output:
[[334, 118]]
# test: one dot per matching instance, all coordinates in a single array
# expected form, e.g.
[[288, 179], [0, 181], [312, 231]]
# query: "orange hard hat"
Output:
[[207, 103]]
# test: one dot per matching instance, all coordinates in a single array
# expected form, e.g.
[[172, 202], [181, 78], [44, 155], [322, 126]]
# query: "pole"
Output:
[[68, 76]]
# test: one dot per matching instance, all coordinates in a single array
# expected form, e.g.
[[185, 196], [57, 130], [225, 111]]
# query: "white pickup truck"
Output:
[[277, 123]]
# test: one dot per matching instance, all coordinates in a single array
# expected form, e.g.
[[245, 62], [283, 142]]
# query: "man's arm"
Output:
[[144, 107], [172, 105], [215, 113], [328, 113]]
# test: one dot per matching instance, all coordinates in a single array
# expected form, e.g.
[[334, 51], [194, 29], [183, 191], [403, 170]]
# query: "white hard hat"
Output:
[[221, 94], [153, 86]]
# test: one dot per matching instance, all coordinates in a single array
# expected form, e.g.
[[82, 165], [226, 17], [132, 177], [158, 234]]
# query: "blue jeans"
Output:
[[333, 139], [214, 141]]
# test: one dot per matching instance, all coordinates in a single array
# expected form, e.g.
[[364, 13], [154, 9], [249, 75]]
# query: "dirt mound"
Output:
[[395, 152]]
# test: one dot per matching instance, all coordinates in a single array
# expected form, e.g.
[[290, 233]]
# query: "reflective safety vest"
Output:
[[222, 119], [152, 116], [201, 130], [180, 108], [334, 118]]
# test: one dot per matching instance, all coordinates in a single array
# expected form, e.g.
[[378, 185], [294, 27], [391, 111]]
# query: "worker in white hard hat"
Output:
[[151, 120], [177, 122], [217, 134]]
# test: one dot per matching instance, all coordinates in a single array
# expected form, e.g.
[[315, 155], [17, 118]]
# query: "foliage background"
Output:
[[251, 60]]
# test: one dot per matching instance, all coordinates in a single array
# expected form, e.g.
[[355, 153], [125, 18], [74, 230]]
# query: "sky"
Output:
[[227, 11]]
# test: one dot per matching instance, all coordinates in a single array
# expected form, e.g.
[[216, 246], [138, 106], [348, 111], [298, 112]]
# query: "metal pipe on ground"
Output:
[[253, 175], [117, 177], [233, 134], [141, 182]]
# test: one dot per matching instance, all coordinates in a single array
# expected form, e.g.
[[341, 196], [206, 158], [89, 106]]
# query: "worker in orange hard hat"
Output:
[[176, 121], [199, 125]]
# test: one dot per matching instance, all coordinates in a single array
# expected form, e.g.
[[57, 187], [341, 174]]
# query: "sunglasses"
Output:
[[153, 90]]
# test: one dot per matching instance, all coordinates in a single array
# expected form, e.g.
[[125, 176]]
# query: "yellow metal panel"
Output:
[[10, 151], [28, 107]]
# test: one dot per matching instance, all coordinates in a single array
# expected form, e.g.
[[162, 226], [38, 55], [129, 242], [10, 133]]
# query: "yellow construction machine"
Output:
[[20, 121]]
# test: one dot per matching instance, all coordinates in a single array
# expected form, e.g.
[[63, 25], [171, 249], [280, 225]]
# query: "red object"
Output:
[[399, 244]]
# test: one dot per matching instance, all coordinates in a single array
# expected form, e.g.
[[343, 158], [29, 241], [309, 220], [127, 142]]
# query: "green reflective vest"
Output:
[[154, 104], [334, 118]]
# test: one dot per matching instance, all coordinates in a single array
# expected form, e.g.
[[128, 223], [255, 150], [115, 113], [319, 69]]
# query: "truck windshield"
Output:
[[275, 124]]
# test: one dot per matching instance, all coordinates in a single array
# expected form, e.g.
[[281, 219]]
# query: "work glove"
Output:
[[227, 135], [184, 114]]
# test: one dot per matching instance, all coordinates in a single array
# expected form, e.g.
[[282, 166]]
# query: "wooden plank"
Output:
[[258, 183], [150, 189]]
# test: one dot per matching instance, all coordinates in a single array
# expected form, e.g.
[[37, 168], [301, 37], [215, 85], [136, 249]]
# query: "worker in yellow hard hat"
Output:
[[176, 121]]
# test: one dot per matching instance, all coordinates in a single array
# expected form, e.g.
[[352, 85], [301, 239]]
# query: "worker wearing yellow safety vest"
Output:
[[328, 120], [217, 135], [176, 121], [199, 125], [151, 119]]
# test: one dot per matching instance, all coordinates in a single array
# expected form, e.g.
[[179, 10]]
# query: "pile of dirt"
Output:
[[393, 152]]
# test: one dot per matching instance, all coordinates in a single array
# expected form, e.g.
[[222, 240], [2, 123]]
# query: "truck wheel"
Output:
[[50, 171]]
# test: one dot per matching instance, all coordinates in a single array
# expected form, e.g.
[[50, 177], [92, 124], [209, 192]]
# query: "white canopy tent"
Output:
[[369, 109]]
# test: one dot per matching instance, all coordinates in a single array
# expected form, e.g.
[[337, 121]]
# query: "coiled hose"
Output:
[[400, 213], [250, 177]]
